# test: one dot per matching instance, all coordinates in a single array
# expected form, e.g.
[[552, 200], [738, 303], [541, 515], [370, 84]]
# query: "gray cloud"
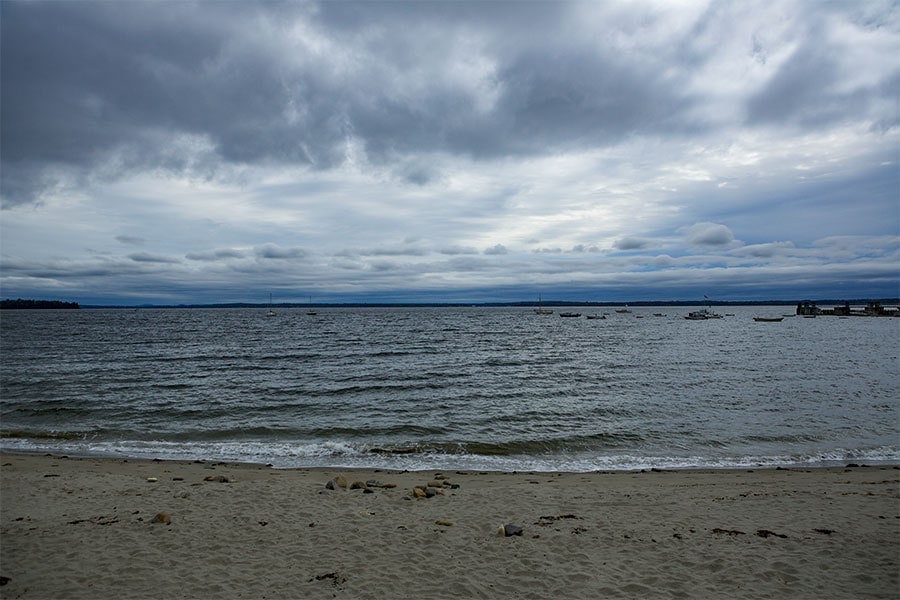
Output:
[[395, 251], [766, 250], [459, 250], [708, 234], [274, 251], [124, 82], [131, 240], [631, 243], [502, 142], [146, 257], [215, 255]]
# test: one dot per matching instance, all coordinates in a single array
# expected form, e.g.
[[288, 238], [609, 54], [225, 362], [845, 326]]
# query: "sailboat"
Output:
[[540, 310], [270, 312], [311, 312]]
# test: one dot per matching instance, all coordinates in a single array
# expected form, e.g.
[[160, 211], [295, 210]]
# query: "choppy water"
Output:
[[488, 388]]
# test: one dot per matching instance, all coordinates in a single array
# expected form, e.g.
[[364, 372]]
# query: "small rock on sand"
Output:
[[374, 483], [509, 530], [218, 479], [163, 518]]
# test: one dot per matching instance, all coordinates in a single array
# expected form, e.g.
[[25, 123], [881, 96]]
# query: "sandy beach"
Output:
[[108, 528]]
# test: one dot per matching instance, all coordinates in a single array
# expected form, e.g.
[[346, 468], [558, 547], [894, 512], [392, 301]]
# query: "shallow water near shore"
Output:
[[421, 388]]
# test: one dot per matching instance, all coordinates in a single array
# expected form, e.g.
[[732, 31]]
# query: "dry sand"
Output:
[[84, 528]]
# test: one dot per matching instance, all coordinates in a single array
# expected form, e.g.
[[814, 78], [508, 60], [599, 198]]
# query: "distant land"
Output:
[[58, 304], [32, 304], [524, 304]]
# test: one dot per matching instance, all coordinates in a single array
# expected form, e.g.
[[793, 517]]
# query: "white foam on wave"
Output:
[[343, 454]]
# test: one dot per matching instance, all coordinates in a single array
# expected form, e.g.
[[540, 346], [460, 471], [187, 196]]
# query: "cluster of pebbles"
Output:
[[340, 482], [426, 490], [434, 487]]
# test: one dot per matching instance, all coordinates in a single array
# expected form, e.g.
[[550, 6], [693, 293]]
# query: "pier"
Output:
[[872, 309]]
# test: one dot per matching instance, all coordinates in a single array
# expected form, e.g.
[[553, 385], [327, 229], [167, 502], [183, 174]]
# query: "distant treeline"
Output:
[[546, 303], [20, 303]]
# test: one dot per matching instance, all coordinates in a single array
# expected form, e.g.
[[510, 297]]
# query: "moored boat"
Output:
[[540, 310]]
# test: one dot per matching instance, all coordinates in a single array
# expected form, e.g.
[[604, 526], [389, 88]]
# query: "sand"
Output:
[[87, 528]]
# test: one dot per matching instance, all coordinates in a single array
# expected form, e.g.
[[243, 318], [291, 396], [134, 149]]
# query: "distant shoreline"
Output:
[[57, 304], [525, 304]]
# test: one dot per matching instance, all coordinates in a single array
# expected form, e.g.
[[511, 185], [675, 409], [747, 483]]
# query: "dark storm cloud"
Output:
[[294, 84], [369, 147], [85, 81]]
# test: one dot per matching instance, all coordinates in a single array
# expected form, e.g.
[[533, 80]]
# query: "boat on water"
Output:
[[623, 310], [269, 311], [569, 314], [768, 319], [540, 310], [596, 316], [705, 313]]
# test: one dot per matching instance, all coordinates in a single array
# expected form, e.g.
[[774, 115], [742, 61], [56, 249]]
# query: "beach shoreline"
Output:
[[137, 528]]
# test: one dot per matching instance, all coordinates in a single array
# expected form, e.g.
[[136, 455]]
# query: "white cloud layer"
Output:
[[464, 151]]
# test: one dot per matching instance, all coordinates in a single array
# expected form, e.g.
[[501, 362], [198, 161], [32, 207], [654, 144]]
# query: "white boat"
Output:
[[703, 314], [540, 310], [269, 311]]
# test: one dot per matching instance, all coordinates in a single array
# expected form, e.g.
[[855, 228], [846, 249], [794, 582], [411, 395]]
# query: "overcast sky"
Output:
[[175, 152]]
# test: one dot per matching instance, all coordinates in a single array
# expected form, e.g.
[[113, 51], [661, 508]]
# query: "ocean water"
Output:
[[438, 388]]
